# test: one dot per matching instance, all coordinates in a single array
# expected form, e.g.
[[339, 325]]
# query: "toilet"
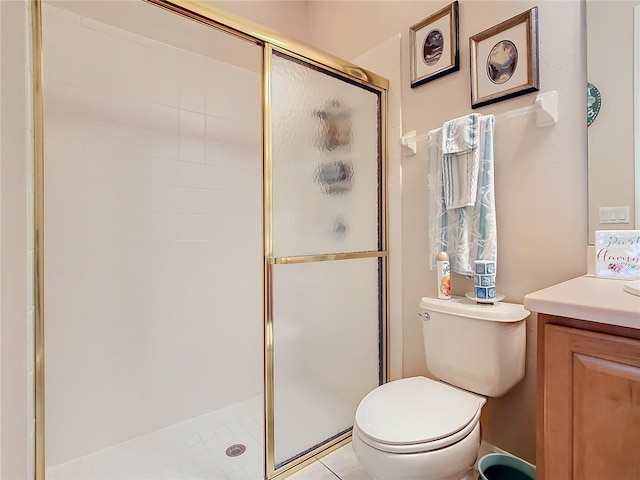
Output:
[[419, 428]]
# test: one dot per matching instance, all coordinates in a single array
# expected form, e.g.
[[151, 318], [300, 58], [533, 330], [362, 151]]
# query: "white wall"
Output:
[[541, 194], [16, 245], [286, 16], [153, 178]]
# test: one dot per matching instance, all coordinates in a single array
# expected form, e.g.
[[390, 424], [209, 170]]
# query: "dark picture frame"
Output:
[[504, 60], [434, 46]]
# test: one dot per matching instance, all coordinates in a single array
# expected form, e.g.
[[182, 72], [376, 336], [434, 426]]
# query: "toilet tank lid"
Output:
[[464, 307]]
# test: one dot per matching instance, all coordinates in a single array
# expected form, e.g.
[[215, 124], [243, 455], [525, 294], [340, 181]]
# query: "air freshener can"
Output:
[[444, 276]]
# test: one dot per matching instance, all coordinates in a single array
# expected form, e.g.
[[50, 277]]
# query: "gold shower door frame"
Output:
[[271, 41]]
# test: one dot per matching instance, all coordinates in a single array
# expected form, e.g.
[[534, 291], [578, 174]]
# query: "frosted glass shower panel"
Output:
[[326, 162], [326, 349], [154, 277]]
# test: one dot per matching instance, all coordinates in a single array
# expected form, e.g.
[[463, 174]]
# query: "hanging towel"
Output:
[[460, 161], [466, 233]]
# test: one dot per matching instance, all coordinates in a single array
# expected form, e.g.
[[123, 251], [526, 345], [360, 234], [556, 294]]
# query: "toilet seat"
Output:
[[418, 447], [416, 415]]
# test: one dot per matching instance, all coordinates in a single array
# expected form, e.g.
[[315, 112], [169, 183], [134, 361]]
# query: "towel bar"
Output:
[[545, 107]]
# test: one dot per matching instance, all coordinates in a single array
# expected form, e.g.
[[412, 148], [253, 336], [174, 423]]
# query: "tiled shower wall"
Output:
[[153, 233]]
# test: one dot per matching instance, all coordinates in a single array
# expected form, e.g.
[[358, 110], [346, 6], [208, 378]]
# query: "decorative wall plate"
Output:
[[594, 100]]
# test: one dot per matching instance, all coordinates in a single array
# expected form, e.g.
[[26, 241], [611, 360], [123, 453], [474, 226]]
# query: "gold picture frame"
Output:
[[434, 46], [504, 60]]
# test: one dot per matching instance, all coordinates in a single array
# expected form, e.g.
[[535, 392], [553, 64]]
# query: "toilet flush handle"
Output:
[[424, 315]]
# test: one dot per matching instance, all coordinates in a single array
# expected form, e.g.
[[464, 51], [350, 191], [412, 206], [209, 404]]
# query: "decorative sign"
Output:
[[618, 254]]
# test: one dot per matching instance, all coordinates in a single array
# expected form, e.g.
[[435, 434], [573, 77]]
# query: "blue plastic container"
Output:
[[500, 466]]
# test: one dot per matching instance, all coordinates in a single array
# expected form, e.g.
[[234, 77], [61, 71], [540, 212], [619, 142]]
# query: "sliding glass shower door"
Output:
[[212, 232], [326, 262]]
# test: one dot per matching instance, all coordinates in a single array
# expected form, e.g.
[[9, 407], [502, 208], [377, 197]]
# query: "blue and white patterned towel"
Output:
[[460, 161], [466, 233]]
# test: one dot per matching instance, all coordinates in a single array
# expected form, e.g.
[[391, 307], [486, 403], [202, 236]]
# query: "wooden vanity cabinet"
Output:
[[588, 410]]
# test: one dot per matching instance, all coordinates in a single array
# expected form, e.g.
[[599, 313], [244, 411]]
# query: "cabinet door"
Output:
[[591, 406]]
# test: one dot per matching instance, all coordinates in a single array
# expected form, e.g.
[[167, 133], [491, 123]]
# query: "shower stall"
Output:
[[211, 243]]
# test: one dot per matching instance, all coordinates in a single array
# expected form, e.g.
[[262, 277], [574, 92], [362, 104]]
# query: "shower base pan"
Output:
[[201, 448]]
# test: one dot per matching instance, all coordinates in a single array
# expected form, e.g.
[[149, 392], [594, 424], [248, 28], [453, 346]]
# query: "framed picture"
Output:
[[504, 60], [433, 45]]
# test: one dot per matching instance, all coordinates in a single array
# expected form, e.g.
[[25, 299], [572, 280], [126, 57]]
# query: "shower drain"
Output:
[[235, 450]]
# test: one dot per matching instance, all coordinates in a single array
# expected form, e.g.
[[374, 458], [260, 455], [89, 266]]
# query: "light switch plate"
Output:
[[618, 215]]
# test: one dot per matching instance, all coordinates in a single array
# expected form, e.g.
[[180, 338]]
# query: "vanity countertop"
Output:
[[600, 300]]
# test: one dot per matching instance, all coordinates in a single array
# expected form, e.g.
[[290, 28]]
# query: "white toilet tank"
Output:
[[477, 347]]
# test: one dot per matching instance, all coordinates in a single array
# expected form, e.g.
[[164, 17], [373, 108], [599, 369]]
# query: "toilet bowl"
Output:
[[428, 430], [422, 429]]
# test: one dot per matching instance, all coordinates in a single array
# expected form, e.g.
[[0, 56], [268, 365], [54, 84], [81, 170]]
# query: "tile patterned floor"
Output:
[[342, 464]]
